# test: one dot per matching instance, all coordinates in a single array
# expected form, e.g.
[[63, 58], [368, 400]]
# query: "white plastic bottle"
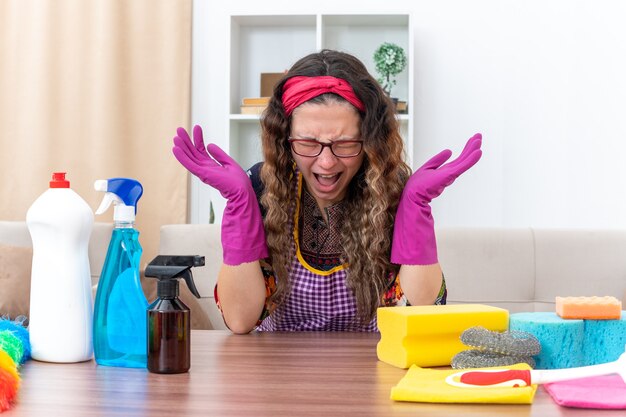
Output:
[[61, 305]]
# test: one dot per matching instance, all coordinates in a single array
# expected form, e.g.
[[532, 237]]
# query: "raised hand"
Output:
[[414, 235], [429, 181], [211, 165], [243, 235]]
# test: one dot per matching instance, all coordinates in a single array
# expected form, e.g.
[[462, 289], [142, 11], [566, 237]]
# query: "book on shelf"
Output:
[[255, 101], [250, 109], [269, 80]]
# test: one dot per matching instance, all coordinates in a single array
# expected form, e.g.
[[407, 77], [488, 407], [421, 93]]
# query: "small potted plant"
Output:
[[390, 61]]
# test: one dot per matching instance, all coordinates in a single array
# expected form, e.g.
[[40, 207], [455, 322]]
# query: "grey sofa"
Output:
[[525, 269], [517, 269]]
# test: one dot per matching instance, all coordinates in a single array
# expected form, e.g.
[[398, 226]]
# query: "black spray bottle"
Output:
[[169, 321]]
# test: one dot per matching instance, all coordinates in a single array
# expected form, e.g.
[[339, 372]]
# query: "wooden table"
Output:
[[270, 374]]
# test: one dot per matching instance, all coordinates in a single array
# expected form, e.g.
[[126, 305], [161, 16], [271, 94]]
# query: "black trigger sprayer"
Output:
[[169, 322]]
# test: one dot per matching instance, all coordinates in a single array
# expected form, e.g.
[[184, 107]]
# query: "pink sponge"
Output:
[[589, 308]]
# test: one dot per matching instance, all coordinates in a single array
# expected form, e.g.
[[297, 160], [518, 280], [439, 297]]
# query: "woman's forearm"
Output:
[[241, 291], [421, 283]]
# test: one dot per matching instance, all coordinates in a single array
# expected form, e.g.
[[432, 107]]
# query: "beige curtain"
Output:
[[95, 88]]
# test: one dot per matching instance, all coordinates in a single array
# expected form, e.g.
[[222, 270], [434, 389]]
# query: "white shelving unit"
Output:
[[272, 43]]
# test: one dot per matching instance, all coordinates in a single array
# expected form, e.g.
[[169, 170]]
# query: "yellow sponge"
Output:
[[430, 335]]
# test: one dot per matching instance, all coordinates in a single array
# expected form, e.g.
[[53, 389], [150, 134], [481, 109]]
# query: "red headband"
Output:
[[297, 90]]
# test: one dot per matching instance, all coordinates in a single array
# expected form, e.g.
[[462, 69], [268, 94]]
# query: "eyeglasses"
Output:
[[339, 148]]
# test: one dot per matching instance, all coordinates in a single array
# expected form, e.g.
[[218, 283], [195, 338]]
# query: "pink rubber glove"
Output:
[[243, 236], [414, 229]]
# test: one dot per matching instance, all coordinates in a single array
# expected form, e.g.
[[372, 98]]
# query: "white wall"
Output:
[[543, 80], [545, 83]]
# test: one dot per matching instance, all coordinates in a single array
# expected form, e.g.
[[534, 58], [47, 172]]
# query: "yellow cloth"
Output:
[[430, 386]]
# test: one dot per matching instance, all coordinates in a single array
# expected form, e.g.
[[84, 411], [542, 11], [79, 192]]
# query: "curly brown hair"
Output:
[[372, 196]]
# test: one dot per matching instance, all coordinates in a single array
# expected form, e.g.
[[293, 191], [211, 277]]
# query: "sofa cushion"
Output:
[[488, 266], [204, 240], [15, 233], [579, 263], [98, 246], [15, 268]]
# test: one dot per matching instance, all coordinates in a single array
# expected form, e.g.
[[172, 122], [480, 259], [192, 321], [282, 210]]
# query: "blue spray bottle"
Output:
[[119, 322]]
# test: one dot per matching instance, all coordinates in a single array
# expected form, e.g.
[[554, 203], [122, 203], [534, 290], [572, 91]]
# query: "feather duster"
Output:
[[14, 350]]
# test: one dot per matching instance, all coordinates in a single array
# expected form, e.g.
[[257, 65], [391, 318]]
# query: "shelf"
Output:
[[232, 54], [266, 44], [253, 50], [245, 117], [256, 118], [275, 20], [361, 35], [377, 20]]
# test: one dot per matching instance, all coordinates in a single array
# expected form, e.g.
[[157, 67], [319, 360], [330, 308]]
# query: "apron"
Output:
[[318, 300]]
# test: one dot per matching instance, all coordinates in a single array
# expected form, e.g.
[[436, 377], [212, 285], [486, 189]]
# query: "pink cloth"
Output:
[[608, 392]]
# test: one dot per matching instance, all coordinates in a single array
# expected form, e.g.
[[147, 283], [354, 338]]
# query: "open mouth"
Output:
[[327, 180]]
